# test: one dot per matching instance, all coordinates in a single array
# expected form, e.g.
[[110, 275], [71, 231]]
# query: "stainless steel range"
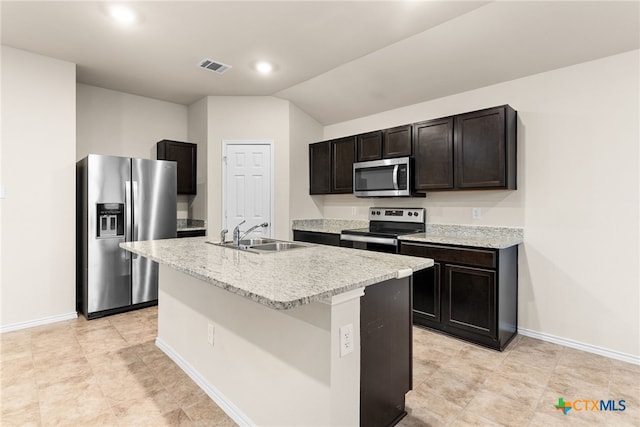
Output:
[[385, 226]]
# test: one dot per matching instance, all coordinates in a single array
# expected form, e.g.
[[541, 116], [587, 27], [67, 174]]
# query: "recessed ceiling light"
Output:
[[123, 14], [264, 67]]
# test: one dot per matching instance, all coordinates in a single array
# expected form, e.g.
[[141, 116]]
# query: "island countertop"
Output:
[[280, 280]]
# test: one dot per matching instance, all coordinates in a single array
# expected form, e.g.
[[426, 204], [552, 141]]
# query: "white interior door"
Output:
[[248, 187]]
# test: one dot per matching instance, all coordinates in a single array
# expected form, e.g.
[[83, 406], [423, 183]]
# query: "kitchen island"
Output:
[[275, 338]]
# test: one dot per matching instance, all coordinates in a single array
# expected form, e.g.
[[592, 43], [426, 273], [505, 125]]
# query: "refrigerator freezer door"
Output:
[[107, 271], [154, 191]]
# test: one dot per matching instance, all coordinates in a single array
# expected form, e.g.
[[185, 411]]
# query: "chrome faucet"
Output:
[[223, 235], [236, 232]]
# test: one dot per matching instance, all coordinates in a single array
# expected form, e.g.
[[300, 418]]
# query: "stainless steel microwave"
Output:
[[383, 178]]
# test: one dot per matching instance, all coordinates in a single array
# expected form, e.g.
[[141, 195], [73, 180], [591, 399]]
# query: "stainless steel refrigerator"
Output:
[[120, 199]]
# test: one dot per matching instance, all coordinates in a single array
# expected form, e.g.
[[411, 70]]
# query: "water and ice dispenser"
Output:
[[110, 219]]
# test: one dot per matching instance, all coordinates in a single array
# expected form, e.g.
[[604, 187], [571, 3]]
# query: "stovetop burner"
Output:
[[392, 222]]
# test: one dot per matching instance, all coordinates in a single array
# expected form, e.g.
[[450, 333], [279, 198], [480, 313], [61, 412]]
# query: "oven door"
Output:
[[381, 178], [369, 243]]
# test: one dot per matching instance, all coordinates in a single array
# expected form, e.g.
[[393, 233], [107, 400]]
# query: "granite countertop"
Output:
[[469, 235], [190, 225], [280, 280], [448, 234], [333, 226]]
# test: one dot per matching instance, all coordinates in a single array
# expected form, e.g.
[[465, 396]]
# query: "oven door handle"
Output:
[[396, 169], [369, 239]]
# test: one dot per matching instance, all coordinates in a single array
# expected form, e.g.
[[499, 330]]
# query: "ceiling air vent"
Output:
[[216, 67]]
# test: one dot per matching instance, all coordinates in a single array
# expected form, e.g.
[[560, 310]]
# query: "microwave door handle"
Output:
[[396, 168]]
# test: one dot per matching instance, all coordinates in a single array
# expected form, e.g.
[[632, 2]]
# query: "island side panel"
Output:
[[265, 367]]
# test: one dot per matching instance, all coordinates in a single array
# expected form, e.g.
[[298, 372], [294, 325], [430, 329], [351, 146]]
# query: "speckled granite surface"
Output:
[[190, 224], [334, 226], [469, 235], [462, 235], [279, 280]]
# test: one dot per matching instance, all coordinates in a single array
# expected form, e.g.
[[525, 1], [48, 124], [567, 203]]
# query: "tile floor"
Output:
[[109, 372]]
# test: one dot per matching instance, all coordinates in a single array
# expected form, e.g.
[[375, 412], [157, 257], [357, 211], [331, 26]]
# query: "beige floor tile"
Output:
[[79, 410], [620, 366], [20, 367], [69, 388], [532, 357], [114, 364], [206, 413], [524, 374], [59, 371], [129, 386], [26, 416], [425, 408], [528, 343], [593, 377], [499, 384], [481, 357], [154, 405], [573, 358], [15, 350], [500, 409], [18, 397], [185, 392], [469, 419], [550, 418]]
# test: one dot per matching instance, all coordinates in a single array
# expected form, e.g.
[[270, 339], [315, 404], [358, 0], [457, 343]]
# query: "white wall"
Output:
[[120, 124], [197, 134], [266, 367], [248, 118], [38, 171], [577, 198], [304, 130]]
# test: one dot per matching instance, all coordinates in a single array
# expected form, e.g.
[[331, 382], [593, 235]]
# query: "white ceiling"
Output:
[[335, 60]]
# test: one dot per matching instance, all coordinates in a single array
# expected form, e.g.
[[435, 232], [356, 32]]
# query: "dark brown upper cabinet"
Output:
[[470, 151], [344, 154], [320, 168], [396, 142], [369, 146], [433, 154], [331, 166], [384, 144], [185, 155], [485, 149]]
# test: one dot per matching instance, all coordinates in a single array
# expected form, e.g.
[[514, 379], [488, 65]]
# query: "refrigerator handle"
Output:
[[136, 208], [127, 214]]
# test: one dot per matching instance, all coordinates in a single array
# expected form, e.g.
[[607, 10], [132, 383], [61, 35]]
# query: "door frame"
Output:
[[226, 143]]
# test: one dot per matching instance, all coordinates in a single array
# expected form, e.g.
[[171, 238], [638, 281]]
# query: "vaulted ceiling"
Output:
[[335, 60]]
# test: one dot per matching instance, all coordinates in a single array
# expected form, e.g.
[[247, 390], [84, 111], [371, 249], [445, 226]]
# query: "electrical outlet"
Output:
[[476, 213], [354, 210], [346, 339], [210, 331]]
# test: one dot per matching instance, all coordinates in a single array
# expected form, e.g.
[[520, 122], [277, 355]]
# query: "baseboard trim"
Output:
[[624, 357], [38, 322], [229, 408]]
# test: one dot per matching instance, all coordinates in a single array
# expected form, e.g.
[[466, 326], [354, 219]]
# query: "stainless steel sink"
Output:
[[261, 245], [256, 241], [277, 246]]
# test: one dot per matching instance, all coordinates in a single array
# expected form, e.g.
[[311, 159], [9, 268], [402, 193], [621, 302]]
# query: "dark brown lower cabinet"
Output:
[[470, 293], [316, 237], [385, 352], [191, 233]]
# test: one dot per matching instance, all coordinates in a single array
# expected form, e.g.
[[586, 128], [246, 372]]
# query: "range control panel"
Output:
[[416, 215]]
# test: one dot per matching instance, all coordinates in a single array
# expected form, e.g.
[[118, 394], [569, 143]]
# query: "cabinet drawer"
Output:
[[316, 237], [477, 257]]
